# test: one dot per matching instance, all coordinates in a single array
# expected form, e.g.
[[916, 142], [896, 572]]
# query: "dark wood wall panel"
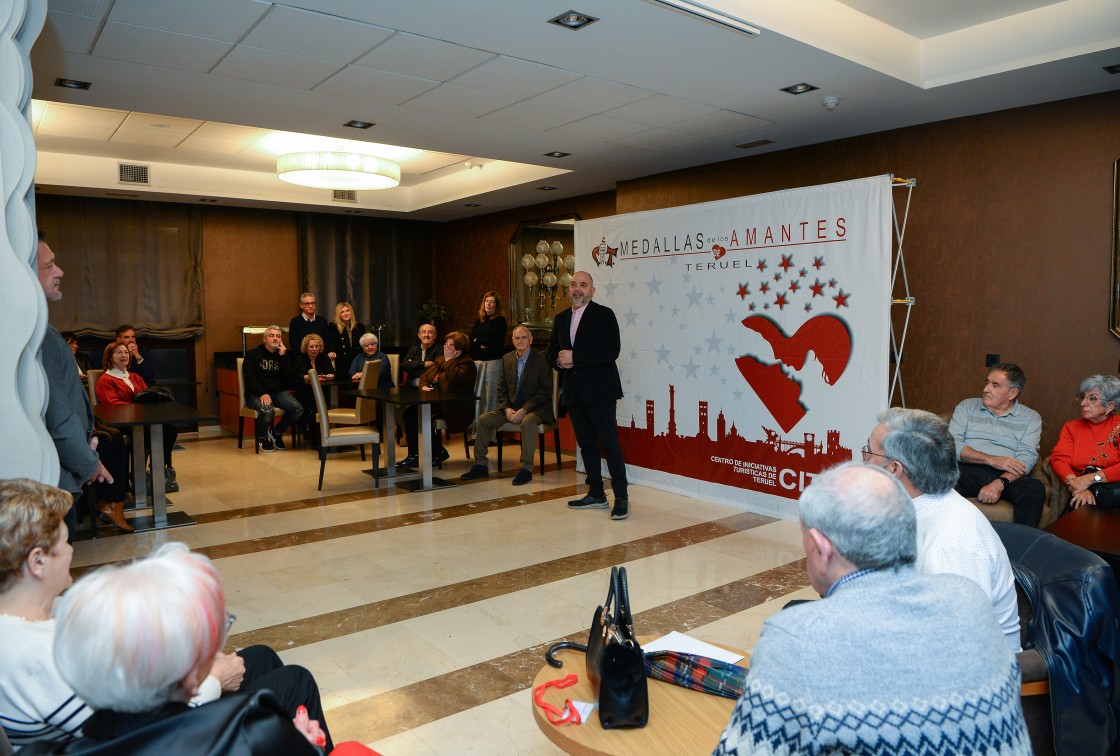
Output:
[[1008, 246]]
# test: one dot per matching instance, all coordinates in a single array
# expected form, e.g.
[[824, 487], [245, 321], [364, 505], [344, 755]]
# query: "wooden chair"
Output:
[[247, 411], [345, 435], [92, 376], [554, 426], [364, 410]]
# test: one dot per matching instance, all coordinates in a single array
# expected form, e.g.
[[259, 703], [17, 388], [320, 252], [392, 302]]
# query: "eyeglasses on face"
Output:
[[868, 454], [1091, 398]]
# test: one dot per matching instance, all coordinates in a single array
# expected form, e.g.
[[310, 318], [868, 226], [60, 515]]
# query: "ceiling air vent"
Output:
[[344, 195], [132, 173], [754, 144]]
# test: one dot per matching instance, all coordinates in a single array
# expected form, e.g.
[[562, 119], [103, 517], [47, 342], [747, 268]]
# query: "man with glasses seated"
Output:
[[997, 445], [953, 536]]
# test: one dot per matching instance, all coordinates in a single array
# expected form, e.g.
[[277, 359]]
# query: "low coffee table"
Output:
[[681, 721]]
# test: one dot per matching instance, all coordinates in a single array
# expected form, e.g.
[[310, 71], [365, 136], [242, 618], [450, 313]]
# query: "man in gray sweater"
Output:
[[891, 660]]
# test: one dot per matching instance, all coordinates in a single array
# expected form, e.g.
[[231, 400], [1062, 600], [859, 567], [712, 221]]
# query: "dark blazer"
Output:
[[456, 376], [298, 328], [344, 344], [593, 379], [69, 417], [536, 386]]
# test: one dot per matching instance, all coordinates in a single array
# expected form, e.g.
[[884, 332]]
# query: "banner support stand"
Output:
[[904, 300]]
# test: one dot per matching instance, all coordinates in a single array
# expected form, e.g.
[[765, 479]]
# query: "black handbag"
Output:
[[153, 395], [615, 662]]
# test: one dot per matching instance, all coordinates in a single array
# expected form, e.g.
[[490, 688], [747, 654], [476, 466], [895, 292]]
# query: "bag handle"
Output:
[[623, 616]]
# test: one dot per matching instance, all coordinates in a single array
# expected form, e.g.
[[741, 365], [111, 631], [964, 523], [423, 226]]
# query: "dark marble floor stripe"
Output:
[[415, 705], [380, 613]]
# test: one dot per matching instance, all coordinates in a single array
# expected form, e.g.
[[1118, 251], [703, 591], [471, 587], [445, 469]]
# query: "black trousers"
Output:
[[292, 685], [1027, 495], [412, 428], [596, 431]]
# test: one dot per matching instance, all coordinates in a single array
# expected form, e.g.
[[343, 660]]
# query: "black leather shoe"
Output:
[[412, 460], [589, 502], [621, 509], [476, 472], [441, 456], [523, 476]]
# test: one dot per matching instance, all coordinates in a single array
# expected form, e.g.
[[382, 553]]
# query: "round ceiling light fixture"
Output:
[[338, 170]]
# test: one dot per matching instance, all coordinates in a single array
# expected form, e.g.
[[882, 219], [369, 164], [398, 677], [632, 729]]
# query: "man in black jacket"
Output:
[[584, 346], [267, 372]]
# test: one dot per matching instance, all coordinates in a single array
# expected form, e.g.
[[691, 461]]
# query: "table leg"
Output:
[[139, 481], [159, 518], [388, 445], [427, 482]]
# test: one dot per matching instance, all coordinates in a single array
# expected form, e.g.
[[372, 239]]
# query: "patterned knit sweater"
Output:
[[892, 663]]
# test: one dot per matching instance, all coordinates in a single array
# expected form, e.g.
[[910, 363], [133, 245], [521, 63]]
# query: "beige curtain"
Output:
[[125, 262]]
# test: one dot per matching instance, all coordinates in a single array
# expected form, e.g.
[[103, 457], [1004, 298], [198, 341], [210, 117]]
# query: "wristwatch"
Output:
[[1005, 482], [1097, 478]]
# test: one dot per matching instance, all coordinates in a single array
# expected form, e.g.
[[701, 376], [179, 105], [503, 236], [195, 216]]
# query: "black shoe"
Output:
[[476, 472], [441, 456], [589, 502], [523, 476], [412, 460], [621, 509], [170, 485], [278, 442], [266, 444]]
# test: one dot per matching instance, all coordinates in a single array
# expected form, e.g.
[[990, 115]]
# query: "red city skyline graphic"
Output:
[[773, 464]]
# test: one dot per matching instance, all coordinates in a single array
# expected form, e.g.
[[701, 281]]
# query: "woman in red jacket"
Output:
[[118, 386], [1087, 455]]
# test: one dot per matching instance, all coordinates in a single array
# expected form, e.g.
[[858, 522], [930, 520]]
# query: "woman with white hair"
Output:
[[1087, 455], [371, 350]]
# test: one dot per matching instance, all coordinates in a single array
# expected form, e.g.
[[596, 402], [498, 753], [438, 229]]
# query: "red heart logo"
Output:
[[718, 251], [826, 336]]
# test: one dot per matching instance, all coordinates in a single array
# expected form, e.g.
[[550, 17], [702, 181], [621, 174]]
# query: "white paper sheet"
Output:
[[686, 644]]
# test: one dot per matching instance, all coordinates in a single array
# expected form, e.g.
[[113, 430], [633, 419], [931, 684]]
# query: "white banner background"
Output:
[[772, 312]]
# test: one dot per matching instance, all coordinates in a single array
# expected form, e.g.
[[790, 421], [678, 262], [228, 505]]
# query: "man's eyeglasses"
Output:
[[868, 454]]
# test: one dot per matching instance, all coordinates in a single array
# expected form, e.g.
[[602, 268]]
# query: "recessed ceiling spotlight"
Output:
[[573, 20], [352, 212], [547, 188], [1114, 69], [472, 204], [557, 154], [796, 89], [359, 124], [207, 199], [72, 84]]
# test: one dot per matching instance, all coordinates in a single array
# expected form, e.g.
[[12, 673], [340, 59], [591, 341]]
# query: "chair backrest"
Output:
[[241, 380], [92, 376], [367, 408], [556, 395], [320, 404], [479, 389], [395, 368]]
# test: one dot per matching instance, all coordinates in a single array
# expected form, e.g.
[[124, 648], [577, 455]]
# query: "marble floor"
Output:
[[425, 616]]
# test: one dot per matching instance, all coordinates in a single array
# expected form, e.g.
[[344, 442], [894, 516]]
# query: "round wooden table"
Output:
[[681, 721]]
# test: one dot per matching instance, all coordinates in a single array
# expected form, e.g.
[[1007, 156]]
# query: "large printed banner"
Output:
[[755, 337]]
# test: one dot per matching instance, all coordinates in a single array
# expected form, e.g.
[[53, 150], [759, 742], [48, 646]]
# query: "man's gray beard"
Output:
[[54, 296]]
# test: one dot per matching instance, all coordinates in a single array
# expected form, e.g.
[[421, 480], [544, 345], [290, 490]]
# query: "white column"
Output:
[[25, 448]]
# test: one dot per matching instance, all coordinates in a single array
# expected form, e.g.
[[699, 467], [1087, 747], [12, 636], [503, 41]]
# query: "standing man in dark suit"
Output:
[[307, 322], [69, 417], [584, 346], [524, 398]]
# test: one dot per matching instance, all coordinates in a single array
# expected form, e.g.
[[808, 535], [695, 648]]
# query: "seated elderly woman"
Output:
[[370, 352], [36, 704], [1087, 455], [118, 386], [136, 641], [452, 373], [312, 354]]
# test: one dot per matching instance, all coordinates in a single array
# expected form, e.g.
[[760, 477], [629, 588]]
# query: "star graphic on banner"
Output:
[[662, 354], [841, 300], [738, 394], [777, 276], [802, 272], [781, 301], [638, 399], [723, 381], [610, 287], [654, 285], [713, 369], [730, 316], [766, 306], [818, 262], [751, 307], [632, 284], [693, 298], [682, 326], [713, 342], [832, 283], [698, 349], [817, 288], [763, 287], [794, 286], [631, 317], [786, 263], [676, 311], [761, 264], [711, 299], [744, 291], [808, 307], [661, 308], [633, 355], [723, 290], [650, 323], [691, 368]]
